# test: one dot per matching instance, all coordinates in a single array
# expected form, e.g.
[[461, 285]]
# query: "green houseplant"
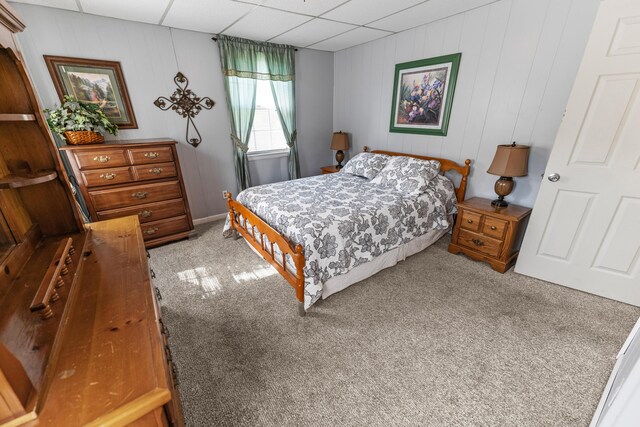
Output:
[[79, 122]]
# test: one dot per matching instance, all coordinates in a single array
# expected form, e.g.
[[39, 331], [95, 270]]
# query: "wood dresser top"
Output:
[[109, 365], [119, 143]]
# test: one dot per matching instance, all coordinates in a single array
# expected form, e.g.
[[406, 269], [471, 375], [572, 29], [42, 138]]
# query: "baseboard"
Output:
[[211, 218]]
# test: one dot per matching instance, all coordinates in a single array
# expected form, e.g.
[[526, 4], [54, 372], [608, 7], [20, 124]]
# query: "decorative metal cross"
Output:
[[187, 104]]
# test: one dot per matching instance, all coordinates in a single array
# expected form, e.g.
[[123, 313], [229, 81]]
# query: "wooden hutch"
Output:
[[81, 336]]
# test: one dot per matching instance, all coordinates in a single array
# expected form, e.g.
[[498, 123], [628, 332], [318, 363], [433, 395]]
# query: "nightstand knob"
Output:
[[478, 242], [470, 221], [493, 227]]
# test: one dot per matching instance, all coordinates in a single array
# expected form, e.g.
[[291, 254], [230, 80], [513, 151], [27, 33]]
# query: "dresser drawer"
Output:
[[480, 243], [470, 220], [142, 156], [165, 227], [95, 159], [134, 195], [98, 177], [155, 171], [494, 227], [147, 212]]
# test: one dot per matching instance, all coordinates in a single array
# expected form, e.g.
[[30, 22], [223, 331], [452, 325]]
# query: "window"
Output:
[[266, 134]]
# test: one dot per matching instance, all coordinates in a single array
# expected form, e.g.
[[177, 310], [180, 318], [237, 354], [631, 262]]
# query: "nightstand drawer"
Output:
[[480, 243], [494, 227], [470, 220]]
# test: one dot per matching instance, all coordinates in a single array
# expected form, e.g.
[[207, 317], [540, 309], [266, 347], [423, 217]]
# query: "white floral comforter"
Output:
[[343, 221]]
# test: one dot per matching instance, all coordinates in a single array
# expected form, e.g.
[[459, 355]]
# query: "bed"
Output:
[[326, 232]]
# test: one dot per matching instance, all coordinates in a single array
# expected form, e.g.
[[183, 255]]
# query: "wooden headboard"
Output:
[[446, 165]]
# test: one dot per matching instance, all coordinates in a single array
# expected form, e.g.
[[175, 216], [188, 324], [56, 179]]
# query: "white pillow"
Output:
[[366, 165], [407, 175]]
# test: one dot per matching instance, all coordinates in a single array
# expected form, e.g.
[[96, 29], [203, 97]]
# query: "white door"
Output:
[[584, 231]]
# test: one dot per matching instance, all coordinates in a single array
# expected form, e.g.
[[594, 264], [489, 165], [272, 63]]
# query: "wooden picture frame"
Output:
[[422, 95], [94, 81]]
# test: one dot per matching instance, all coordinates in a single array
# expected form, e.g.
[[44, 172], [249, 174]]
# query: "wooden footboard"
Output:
[[254, 230]]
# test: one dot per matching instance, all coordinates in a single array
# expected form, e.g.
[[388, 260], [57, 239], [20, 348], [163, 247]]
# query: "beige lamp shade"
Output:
[[510, 160], [340, 141]]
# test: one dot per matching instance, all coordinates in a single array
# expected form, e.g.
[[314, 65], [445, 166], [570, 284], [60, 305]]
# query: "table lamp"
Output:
[[340, 141], [509, 161]]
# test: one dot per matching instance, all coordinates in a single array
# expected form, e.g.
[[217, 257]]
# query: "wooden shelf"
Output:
[[17, 118], [25, 180]]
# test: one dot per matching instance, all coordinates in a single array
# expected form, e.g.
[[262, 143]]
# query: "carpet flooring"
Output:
[[438, 340]]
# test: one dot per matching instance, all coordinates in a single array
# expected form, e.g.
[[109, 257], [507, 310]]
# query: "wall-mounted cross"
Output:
[[186, 103]]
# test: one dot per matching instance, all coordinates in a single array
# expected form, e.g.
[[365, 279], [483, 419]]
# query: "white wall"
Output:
[[519, 61], [151, 55]]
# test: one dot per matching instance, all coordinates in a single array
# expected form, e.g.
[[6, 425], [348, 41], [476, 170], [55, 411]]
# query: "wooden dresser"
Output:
[[489, 234], [81, 337], [135, 177]]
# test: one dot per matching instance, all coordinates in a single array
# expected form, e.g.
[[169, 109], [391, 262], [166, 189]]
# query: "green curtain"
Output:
[[238, 65], [243, 63], [281, 63]]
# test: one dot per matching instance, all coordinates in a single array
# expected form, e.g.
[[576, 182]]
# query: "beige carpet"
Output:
[[438, 340]]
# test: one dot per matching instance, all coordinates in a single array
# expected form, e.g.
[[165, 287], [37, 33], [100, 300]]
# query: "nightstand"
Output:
[[329, 169], [489, 234]]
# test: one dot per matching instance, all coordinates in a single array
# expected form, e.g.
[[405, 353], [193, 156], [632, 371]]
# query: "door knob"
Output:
[[554, 177]]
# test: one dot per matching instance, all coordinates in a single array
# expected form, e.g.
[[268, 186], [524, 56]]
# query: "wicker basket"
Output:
[[83, 137]]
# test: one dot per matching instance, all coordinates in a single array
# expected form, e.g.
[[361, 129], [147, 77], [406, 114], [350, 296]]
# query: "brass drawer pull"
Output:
[[102, 159], [478, 242], [470, 221], [493, 227], [155, 170], [151, 155], [145, 213], [108, 176], [140, 195], [150, 231]]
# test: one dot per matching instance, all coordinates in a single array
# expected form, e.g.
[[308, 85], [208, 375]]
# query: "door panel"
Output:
[[565, 225], [605, 119], [620, 249], [584, 230]]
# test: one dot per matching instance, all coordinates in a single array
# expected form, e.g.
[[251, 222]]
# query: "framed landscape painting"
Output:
[[94, 81], [422, 95]]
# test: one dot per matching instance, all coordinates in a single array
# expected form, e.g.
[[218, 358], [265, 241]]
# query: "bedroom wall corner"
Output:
[[151, 55], [519, 61], [314, 95]]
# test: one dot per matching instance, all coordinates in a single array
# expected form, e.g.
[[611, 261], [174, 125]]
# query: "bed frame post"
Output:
[[299, 262], [463, 182], [228, 196]]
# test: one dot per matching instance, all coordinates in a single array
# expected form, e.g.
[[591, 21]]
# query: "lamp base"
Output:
[[499, 203], [339, 159], [503, 187]]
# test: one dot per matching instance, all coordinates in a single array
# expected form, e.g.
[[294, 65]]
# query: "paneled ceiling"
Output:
[[316, 24]]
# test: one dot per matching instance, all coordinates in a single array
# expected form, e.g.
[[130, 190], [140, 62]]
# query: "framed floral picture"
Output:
[[94, 81], [422, 95]]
